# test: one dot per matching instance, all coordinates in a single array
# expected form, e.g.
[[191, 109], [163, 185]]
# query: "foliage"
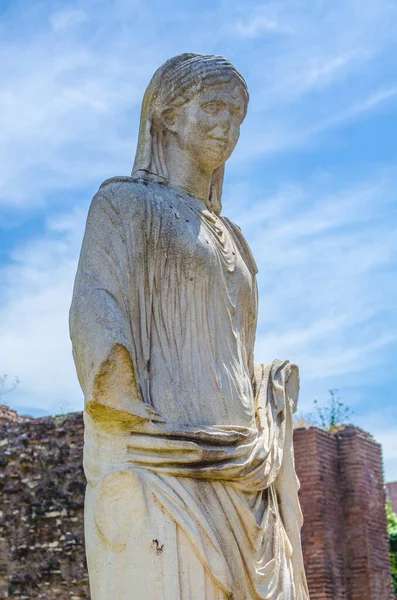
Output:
[[5, 387], [331, 415], [392, 533]]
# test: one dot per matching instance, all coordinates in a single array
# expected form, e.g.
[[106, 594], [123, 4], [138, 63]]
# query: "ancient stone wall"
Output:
[[42, 497], [41, 508]]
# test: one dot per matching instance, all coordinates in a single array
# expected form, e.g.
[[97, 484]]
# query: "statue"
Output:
[[192, 492]]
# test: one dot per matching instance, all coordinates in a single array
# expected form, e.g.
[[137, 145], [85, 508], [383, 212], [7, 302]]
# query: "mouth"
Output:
[[223, 141]]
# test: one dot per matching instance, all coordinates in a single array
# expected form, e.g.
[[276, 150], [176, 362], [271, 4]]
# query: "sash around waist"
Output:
[[239, 455]]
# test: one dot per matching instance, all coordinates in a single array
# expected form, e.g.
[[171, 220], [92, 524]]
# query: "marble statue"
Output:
[[192, 492]]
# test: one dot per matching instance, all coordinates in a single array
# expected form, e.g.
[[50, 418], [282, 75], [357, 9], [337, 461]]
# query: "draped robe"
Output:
[[192, 492]]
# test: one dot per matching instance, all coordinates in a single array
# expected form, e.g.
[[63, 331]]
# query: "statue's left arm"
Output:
[[287, 486], [276, 392]]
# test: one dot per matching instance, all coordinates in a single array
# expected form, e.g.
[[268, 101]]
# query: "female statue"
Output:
[[192, 492]]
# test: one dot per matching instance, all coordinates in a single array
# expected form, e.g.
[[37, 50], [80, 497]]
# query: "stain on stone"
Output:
[[159, 548]]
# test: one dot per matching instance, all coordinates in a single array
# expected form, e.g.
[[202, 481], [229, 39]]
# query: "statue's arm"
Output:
[[99, 325]]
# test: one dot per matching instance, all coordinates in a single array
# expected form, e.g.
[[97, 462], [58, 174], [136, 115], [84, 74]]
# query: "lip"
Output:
[[221, 140]]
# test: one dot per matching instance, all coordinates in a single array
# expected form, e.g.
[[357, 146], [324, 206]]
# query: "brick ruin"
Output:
[[42, 499], [391, 494], [344, 537]]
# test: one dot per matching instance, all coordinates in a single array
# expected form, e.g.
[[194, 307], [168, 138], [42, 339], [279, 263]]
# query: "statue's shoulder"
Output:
[[123, 188], [122, 194], [117, 182]]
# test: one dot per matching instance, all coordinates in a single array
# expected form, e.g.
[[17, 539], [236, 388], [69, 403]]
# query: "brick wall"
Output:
[[391, 494], [316, 459], [42, 496], [342, 495]]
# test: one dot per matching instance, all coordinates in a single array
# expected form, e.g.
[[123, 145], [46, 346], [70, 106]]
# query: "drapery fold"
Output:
[[237, 463]]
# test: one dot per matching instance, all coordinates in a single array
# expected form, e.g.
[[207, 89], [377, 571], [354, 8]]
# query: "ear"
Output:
[[168, 118]]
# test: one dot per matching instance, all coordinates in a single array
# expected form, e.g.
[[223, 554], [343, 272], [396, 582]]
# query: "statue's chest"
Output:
[[196, 244]]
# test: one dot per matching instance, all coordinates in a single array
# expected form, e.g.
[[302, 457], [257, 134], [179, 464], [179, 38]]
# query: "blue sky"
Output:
[[312, 183]]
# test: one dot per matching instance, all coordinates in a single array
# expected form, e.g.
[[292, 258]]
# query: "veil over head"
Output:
[[176, 82]]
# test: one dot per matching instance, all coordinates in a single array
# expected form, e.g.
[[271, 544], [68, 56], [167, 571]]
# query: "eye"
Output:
[[236, 112], [212, 107]]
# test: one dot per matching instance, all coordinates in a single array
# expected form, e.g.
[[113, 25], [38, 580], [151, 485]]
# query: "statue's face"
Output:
[[208, 126]]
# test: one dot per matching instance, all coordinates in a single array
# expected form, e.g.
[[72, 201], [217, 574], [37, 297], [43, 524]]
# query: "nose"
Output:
[[224, 121]]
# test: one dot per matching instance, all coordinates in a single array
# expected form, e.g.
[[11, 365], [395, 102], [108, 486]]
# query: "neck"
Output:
[[185, 174]]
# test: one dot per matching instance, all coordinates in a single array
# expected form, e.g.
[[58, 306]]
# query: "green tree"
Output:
[[331, 415], [392, 533]]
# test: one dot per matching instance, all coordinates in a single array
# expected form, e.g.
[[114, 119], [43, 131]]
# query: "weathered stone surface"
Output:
[[41, 508]]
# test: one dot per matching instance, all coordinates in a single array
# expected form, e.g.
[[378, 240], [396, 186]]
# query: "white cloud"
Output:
[[319, 76], [372, 102], [258, 24], [35, 345], [324, 261], [70, 99], [382, 424], [319, 49], [278, 134], [70, 94], [53, 118]]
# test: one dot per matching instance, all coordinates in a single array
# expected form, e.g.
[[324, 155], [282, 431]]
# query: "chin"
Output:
[[216, 157]]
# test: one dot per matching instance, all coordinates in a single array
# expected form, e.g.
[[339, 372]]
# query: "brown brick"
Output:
[[344, 536]]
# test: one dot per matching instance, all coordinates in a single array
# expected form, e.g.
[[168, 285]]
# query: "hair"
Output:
[[174, 84]]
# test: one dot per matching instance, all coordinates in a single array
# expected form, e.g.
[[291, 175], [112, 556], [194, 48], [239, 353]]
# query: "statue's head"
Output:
[[200, 101]]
